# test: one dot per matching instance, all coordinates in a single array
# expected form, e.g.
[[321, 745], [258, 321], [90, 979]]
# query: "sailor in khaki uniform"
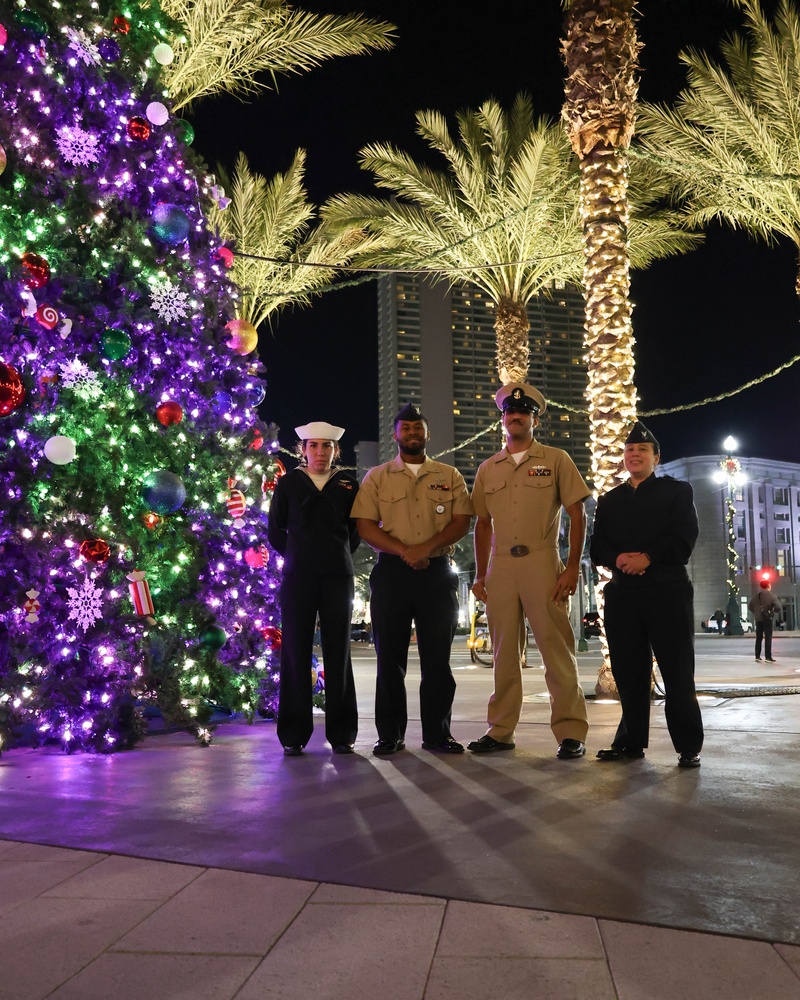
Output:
[[518, 496], [412, 510]]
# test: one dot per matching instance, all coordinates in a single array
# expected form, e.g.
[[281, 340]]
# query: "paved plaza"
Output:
[[233, 872]]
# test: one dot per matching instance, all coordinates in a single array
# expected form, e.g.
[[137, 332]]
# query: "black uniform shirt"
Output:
[[657, 517], [312, 528]]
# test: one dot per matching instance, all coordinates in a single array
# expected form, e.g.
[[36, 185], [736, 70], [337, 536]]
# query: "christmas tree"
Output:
[[136, 473]]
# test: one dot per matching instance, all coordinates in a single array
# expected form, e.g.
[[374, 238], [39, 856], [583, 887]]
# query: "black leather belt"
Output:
[[519, 550]]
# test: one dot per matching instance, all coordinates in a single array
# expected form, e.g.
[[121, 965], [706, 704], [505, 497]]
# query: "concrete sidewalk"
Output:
[[235, 872]]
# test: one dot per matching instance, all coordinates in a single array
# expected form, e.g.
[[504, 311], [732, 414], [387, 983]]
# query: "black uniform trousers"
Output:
[[642, 622], [400, 595], [764, 632], [302, 597]]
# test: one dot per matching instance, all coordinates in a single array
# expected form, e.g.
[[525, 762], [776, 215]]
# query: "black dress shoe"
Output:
[[292, 751], [689, 760], [621, 753], [385, 748], [448, 745], [343, 748], [487, 744], [570, 749]]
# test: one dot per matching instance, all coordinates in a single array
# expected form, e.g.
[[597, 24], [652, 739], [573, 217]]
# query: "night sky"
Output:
[[704, 324]]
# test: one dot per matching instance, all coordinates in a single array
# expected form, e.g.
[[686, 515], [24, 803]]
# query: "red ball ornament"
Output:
[[122, 24], [274, 637], [258, 440], [225, 254], [139, 129], [151, 520], [36, 268], [95, 550], [12, 391], [169, 413], [47, 317]]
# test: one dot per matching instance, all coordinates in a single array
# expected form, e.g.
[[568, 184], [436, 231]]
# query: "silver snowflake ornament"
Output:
[[77, 146], [76, 375], [83, 47], [85, 604], [168, 300]]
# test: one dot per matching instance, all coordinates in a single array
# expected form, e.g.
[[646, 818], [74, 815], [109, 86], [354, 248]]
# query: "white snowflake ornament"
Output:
[[77, 146], [168, 300], [76, 375], [85, 604], [83, 47]]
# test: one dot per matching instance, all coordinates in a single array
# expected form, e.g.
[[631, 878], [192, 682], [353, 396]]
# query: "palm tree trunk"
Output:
[[600, 51], [512, 328]]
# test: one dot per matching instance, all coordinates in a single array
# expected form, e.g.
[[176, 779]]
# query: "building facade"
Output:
[[766, 528], [437, 349]]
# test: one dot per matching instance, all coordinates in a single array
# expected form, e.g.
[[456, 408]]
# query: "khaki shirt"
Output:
[[412, 509], [524, 501]]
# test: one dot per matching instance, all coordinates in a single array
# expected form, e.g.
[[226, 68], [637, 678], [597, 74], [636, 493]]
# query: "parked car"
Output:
[[592, 624], [710, 625]]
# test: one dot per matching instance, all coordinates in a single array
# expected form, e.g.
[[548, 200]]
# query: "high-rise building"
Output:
[[437, 349]]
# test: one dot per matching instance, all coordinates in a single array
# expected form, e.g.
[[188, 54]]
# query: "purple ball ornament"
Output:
[[221, 403], [108, 49], [170, 224], [163, 491]]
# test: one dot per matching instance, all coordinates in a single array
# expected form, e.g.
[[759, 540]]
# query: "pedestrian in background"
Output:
[[310, 525], [762, 606]]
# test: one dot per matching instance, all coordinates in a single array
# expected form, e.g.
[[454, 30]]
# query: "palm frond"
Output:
[[732, 144], [279, 257], [231, 45]]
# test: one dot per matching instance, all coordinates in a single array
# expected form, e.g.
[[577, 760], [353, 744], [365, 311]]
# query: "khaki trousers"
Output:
[[519, 588]]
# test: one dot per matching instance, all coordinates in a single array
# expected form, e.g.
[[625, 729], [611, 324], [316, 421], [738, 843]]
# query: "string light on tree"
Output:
[[731, 475], [119, 399]]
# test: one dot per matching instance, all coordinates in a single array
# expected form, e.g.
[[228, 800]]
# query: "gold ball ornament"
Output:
[[243, 336]]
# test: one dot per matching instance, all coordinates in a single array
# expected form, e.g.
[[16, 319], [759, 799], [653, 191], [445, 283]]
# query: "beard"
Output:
[[412, 448]]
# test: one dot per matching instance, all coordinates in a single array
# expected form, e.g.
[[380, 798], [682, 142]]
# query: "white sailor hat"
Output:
[[319, 430], [520, 396]]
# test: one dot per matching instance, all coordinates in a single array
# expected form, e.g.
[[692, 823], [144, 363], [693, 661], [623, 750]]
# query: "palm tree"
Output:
[[503, 216], [232, 45], [600, 51], [732, 142], [280, 259]]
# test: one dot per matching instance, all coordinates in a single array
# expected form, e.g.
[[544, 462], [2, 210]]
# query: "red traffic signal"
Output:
[[766, 573]]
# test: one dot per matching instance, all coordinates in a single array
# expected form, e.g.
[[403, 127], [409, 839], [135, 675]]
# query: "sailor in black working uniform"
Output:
[[310, 525], [644, 532]]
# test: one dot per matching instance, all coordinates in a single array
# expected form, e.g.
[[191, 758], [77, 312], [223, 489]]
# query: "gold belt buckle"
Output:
[[519, 550]]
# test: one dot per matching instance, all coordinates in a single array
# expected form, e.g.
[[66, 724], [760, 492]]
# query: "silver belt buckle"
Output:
[[519, 550]]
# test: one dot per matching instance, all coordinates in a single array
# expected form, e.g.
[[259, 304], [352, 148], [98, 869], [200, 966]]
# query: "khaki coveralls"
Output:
[[524, 502]]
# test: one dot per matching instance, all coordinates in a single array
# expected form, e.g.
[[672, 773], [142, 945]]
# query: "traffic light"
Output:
[[766, 573]]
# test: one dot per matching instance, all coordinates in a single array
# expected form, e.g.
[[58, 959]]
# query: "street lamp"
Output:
[[730, 472]]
